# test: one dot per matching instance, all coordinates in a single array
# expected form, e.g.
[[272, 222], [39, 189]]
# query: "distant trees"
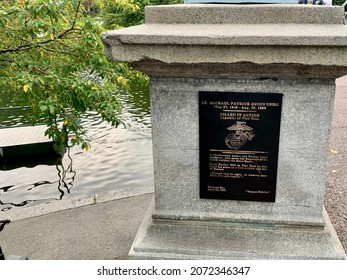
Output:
[[124, 13]]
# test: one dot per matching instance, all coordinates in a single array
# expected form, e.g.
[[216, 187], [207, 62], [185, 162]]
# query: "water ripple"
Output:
[[119, 158]]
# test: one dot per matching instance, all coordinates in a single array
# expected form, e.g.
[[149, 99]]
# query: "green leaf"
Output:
[[51, 109], [43, 108]]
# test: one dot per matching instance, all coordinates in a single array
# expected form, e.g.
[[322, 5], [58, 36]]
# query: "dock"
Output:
[[24, 141]]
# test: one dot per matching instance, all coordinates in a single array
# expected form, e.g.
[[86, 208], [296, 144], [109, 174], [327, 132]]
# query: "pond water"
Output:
[[119, 158]]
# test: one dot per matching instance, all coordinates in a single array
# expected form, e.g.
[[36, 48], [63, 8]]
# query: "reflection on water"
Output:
[[63, 183], [119, 158]]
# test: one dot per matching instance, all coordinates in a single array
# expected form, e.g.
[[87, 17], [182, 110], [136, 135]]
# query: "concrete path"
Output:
[[106, 230], [103, 231], [336, 192]]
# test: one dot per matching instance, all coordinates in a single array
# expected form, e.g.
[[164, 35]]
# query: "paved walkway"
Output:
[[336, 193], [106, 230], [103, 231]]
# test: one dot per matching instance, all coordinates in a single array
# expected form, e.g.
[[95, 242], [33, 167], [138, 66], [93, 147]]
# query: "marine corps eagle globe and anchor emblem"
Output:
[[240, 135]]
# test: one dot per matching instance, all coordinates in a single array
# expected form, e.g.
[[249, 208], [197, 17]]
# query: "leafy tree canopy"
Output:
[[52, 58]]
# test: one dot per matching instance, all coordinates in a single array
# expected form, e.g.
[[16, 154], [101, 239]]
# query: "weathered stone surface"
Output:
[[304, 141], [244, 14], [239, 70], [160, 239], [234, 34]]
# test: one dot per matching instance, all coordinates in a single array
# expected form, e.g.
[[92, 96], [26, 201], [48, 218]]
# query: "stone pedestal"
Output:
[[295, 50]]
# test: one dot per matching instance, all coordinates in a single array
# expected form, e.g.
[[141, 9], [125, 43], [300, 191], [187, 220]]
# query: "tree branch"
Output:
[[56, 51], [29, 46]]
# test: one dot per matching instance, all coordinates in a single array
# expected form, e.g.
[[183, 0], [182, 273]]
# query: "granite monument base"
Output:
[[181, 225], [178, 239], [293, 52]]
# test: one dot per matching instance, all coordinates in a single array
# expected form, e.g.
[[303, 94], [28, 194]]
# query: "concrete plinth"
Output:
[[191, 239], [295, 50]]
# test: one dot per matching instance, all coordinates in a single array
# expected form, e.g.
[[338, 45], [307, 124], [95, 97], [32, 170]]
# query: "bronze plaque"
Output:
[[239, 139]]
